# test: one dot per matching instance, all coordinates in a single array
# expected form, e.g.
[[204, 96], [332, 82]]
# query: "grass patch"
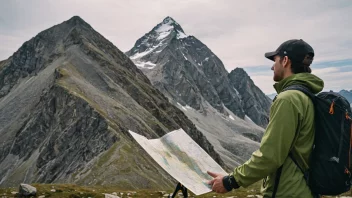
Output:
[[104, 158], [76, 191], [73, 191], [74, 90]]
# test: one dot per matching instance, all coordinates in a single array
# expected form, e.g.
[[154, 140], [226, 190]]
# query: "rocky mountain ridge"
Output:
[[68, 98]]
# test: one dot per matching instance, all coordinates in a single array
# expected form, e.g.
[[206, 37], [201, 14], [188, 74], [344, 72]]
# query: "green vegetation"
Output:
[[75, 90], [73, 191]]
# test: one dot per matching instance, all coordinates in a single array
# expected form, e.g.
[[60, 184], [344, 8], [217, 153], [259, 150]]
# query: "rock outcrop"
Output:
[[256, 104]]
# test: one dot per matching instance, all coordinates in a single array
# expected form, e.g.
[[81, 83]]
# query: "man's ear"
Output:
[[285, 61]]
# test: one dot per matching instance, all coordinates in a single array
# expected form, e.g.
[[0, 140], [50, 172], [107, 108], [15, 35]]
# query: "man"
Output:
[[290, 129]]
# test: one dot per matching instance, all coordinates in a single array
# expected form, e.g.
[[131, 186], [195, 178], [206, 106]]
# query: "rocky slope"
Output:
[[68, 97], [255, 103]]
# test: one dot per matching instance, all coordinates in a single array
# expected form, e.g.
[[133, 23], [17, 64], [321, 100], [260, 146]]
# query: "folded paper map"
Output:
[[182, 158]]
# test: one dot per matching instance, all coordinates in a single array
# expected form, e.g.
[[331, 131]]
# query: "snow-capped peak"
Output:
[[169, 19], [156, 40], [167, 26]]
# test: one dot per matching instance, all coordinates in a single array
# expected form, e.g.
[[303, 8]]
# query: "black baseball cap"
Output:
[[297, 50]]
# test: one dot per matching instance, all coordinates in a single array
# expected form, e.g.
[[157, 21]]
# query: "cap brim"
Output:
[[271, 55]]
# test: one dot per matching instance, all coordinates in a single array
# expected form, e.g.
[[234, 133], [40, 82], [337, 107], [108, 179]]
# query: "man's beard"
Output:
[[277, 77]]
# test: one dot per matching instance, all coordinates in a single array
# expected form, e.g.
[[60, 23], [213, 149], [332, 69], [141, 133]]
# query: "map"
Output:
[[182, 158]]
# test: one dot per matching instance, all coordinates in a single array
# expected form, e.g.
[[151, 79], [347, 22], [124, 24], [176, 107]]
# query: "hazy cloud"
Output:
[[238, 32]]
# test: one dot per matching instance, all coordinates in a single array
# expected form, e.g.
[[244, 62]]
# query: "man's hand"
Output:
[[216, 183]]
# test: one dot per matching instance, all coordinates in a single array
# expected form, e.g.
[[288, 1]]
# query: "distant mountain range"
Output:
[[272, 96], [68, 98], [347, 94]]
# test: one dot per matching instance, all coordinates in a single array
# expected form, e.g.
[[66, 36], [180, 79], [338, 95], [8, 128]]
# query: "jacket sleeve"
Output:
[[275, 144]]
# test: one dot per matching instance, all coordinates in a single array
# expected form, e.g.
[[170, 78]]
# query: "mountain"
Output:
[[68, 97], [193, 77], [272, 96], [347, 94], [255, 103], [185, 69]]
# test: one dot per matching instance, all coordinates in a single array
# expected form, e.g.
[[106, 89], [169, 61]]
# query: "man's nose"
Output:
[[272, 67]]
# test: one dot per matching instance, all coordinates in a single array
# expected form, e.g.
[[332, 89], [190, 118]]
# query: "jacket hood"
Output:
[[311, 81]]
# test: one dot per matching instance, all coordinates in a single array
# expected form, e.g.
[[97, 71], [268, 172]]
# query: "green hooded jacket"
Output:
[[290, 128]]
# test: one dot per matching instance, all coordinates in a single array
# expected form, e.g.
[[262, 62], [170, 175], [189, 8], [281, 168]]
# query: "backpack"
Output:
[[330, 161]]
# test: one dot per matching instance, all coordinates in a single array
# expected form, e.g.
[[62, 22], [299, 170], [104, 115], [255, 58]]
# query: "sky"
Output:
[[238, 32]]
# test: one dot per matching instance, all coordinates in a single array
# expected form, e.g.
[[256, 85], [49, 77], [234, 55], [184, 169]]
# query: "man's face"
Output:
[[278, 69]]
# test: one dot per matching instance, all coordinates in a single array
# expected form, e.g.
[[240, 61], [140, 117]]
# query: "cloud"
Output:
[[325, 71], [264, 82], [238, 32], [335, 78]]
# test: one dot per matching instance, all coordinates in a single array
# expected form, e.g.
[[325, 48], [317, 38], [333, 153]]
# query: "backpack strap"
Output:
[[300, 168], [277, 180], [301, 88], [306, 91], [279, 170]]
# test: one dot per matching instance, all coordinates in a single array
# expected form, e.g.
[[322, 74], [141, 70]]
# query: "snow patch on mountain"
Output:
[[163, 35], [141, 54], [184, 56], [181, 35], [147, 65], [166, 27]]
